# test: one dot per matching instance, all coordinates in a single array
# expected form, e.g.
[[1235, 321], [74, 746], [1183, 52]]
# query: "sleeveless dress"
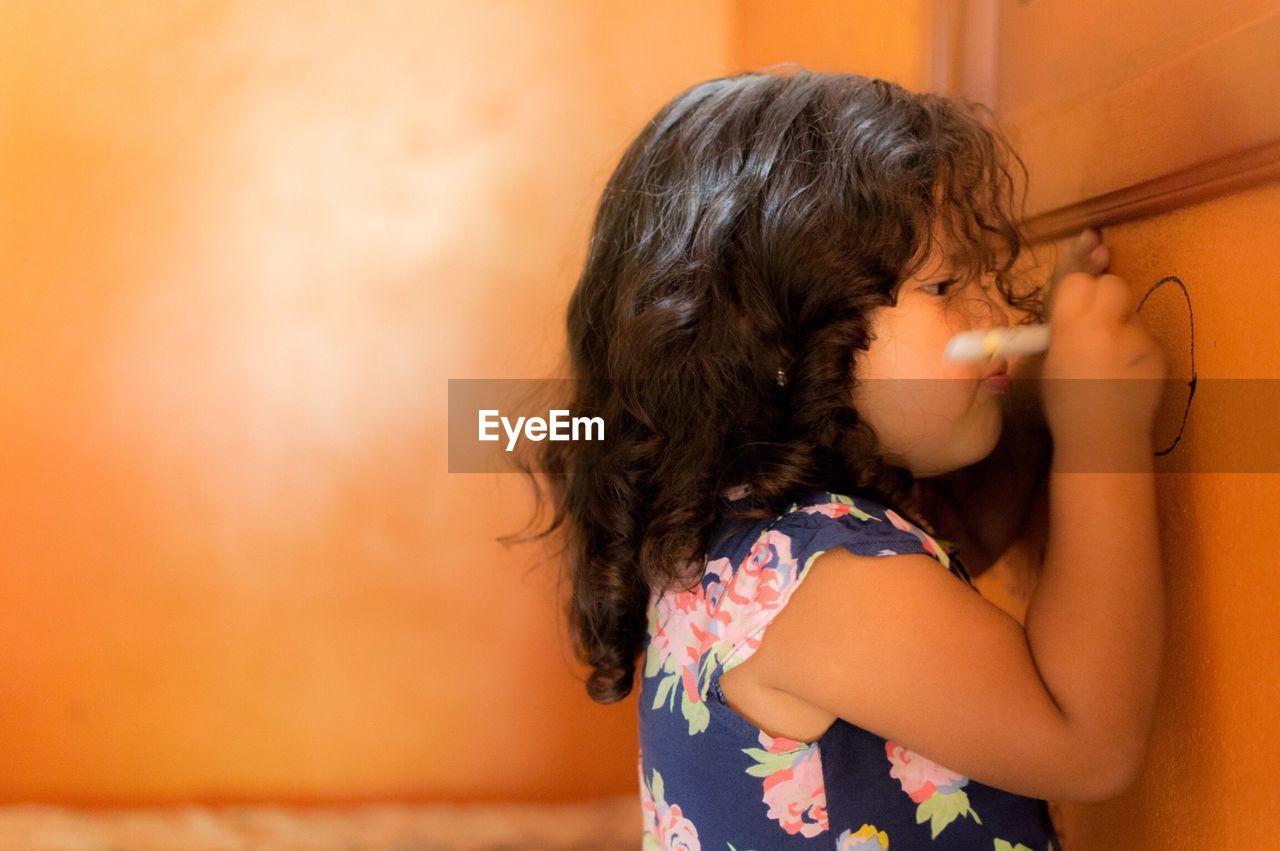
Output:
[[711, 779]]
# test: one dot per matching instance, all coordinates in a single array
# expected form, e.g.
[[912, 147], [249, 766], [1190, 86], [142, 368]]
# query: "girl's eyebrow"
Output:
[[950, 265]]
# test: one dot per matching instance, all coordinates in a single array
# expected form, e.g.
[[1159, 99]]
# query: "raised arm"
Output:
[[1060, 707]]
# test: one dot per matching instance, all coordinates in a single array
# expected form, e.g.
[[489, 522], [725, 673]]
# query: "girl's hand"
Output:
[[1086, 254], [1103, 374], [1023, 405], [986, 507]]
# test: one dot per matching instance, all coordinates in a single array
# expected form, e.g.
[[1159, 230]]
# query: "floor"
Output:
[[601, 825]]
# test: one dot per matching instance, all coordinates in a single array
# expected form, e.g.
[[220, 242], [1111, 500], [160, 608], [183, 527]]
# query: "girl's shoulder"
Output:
[[864, 525], [820, 520]]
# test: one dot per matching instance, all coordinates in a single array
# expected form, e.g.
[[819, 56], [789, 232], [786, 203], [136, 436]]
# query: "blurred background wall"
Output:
[[245, 245]]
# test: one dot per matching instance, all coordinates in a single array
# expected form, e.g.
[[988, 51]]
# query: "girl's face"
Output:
[[931, 414]]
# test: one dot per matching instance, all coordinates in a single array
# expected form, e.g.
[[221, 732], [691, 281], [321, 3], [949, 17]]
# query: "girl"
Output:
[[775, 267]]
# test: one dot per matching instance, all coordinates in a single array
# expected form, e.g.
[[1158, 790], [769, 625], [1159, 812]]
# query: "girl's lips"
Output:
[[1001, 368], [1000, 382]]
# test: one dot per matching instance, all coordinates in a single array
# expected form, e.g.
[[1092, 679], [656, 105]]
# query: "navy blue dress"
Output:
[[711, 779]]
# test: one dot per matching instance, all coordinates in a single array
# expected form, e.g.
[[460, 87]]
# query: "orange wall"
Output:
[[881, 38], [244, 247], [1207, 777], [1205, 780], [243, 250]]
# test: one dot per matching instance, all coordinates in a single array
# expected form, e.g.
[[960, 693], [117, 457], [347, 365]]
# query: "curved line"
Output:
[[1192, 384]]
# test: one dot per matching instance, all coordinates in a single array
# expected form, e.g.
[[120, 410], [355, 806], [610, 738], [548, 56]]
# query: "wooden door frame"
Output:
[[1100, 160]]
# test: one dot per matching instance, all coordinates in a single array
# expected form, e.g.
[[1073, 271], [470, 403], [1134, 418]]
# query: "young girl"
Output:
[[775, 268]]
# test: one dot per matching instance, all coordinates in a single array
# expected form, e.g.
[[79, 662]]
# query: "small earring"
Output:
[[782, 377]]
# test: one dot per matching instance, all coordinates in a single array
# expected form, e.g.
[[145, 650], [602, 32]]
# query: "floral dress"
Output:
[[711, 779]]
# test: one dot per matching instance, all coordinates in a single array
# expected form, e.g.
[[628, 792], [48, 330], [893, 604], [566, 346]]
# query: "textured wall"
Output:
[[1206, 778], [244, 245]]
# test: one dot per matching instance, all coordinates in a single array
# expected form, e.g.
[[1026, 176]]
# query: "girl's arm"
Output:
[[1097, 620], [1059, 709]]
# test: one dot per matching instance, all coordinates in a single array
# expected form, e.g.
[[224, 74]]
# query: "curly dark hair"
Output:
[[750, 227]]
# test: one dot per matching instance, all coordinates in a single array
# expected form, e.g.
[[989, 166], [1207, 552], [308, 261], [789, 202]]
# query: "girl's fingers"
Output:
[[1086, 254], [1112, 299], [1100, 257], [1073, 296]]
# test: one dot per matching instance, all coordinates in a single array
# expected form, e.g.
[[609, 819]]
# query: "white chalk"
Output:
[[997, 342]]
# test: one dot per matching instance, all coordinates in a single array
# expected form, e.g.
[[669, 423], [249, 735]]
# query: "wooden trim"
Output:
[[1223, 176], [1196, 128]]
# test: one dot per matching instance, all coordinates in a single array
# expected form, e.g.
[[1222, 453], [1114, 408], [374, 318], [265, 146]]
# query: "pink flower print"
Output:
[[665, 826], [793, 787], [764, 556], [937, 790], [759, 579], [927, 542], [683, 627], [839, 506], [713, 588], [830, 509], [920, 778], [674, 642], [759, 588], [676, 832], [867, 838], [684, 624], [689, 679], [899, 523]]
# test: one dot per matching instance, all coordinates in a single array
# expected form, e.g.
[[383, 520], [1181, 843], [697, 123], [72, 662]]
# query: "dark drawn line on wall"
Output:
[[1192, 384]]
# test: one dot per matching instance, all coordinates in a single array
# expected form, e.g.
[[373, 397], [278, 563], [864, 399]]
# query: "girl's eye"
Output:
[[942, 286]]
